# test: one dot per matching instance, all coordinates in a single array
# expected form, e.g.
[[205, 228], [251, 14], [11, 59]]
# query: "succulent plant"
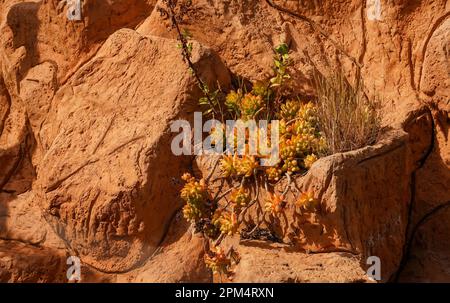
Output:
[[287, 150], [240, 197], [309, 160], [289, 110], [227, 166], [250, 106], [195, 194], [283, 128], [233, 101], [274, 204], [228, 223], [302, 127], [217, 261], [192, 213], [194, 191], [290, 166], [261, 88], [246, 165], [274, 173], [300, 144], [307, 200]]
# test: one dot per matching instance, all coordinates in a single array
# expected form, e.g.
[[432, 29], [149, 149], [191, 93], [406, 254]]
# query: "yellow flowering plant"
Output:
[[307, 201], [218, 261], [301, 143], [274, 204]]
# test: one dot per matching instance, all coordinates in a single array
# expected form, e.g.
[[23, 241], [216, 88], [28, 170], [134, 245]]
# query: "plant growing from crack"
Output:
[[221, 214], [307, 132], [174, 13], [301, 143]]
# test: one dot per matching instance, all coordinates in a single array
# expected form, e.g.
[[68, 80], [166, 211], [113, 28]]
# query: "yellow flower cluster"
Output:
[[289, 110], [227, 222], [238, 166], [274, 204], [250, 106], [307, 201], [261, 88], [194, 193], [246, 106], [218, 261], [233, 101], [300, 139], [240, 198], [274, 173], [309, 160], [227, 165], [246, 165]]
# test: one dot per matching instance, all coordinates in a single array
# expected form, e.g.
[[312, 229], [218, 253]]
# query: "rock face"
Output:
[[21, 263], [430, 240], [109, 129], [111, 119], [272, 264], [364, 198], [86, 167], [183, 250]]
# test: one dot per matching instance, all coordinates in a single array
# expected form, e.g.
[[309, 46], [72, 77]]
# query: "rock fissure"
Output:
[[435, 26], [316, 27], [411, 231]]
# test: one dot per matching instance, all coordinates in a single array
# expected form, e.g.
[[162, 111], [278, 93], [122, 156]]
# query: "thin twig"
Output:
[[296, 187], [244, 211], [185, 51], [219, 240], [213, 169], [288, 185], [218, 198]]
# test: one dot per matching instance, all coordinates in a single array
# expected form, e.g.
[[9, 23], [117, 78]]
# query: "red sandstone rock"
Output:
[[85, 161]]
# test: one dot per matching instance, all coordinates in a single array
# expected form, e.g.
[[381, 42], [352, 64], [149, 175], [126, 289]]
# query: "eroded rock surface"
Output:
[[262, 263], [106, 176], [85, 161], [21, 263], [364, 206]]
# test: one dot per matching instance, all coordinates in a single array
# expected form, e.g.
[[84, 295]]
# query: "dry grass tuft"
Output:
[[348, 119]]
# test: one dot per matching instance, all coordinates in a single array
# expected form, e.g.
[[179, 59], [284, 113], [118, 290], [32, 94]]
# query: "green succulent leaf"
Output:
[[282, 49]]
